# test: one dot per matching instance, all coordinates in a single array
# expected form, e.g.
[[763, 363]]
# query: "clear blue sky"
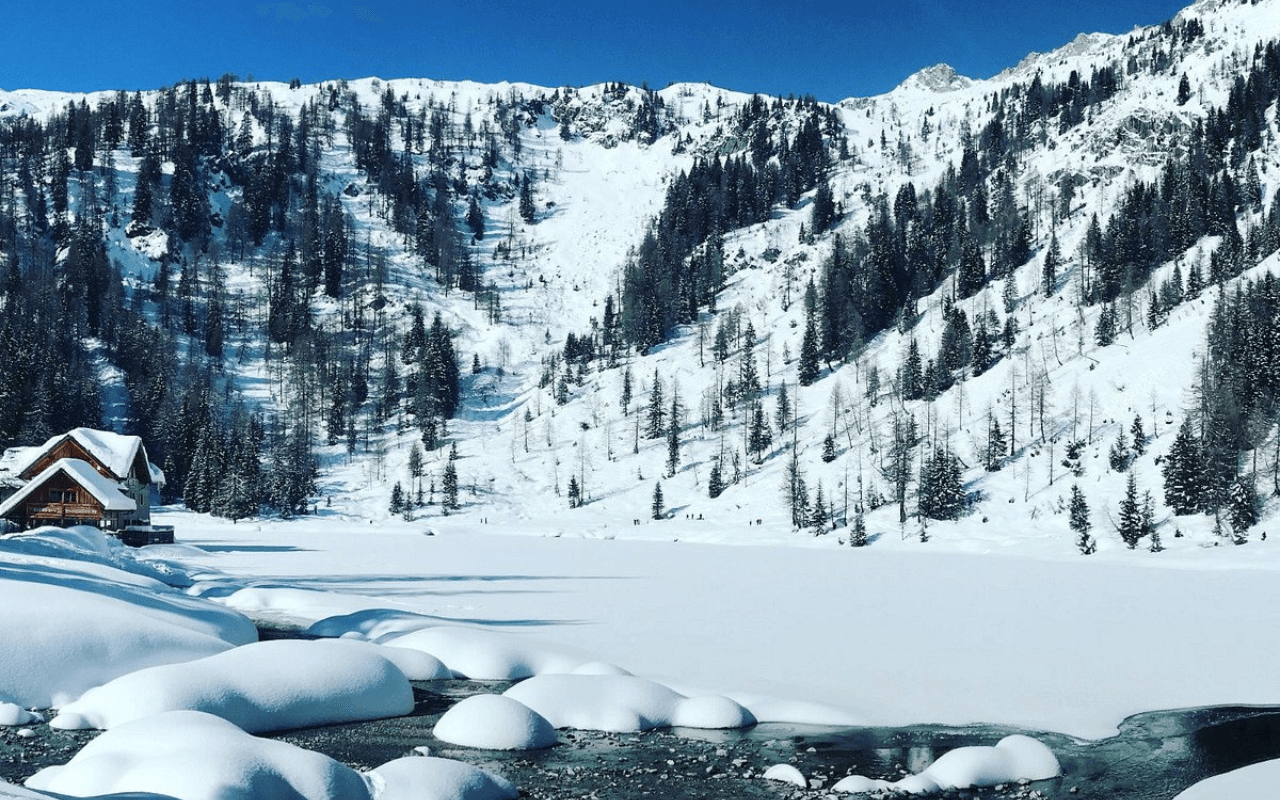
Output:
[[826, 48]]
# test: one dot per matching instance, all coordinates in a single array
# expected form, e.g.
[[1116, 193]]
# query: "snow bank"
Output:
[[1013, 758], [82, 621], [417, 778], [785, 773], [197, 756], [620, 703], [16, 715], [486, 655], [1254, 782], [495, 722], [266, 686]]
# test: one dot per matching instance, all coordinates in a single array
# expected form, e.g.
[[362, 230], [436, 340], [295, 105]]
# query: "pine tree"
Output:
[[1079, 515], [1184, 472], [828, 449], [818, 512], [809, 367], [941, 491], [1105, 331], [1131, 525], [1119, 456], [397, 499], [996, 446], [449, 486], [527, 210], [626, 390], [475, 218], [715, 483], [1049, 273], [1242, 507], [673, 438], [858, 536], [575, 492], [759, 437], [1139, 435], [657, 505], [912, 374], [655, 428], [782, 413]]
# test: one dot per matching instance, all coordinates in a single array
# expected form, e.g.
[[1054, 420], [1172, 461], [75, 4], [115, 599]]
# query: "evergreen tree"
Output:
[[759, 437], [397, 499], [449, 486], [941, 492], [1139, 435], [1184, 472], [1242, 507], [575, 492], [1119, 456], [1049, 272], [673, 435], [996, 446], [1130, 526], [626, 389], [782, 412], [475, 218], [715, 483], [655, 427], [828, 449], [1105, 331], [912, 374], [1079, 520], [858, 536], [809, 367], [527, 210], [818, 512], [657, 505]]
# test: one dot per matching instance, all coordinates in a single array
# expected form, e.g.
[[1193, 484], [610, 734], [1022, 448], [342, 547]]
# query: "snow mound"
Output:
[[785, 773], [418, 778], [600, 668], [1013, 758], [621, 703], [485, 655], [495, 722], [11, 714], [267, 686], [84, 622], [197, 756], [415, 664], [373, 624], [712, 712], [1254, 782]]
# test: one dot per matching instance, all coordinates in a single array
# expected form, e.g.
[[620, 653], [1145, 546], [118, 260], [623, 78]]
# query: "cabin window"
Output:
[[62, 496]]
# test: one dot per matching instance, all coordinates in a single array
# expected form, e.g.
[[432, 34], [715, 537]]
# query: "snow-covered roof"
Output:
[[104, 490], [115, 451]]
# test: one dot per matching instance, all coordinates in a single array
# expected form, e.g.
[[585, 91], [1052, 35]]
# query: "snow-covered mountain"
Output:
[[1053, 146]]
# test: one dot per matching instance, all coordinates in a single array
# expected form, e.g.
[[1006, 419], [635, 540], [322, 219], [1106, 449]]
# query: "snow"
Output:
[[495, 722], [104, 490], [1254, 782], [11, 715], [83, 621], [197, 756], [815, 633], [620, 703], [485, 655], [417, 778], [1013, 759], [785, 773], [266, 686]]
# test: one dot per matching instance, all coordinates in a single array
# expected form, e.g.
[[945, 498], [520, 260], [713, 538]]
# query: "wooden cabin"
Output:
[[84, 476], [71, 491]]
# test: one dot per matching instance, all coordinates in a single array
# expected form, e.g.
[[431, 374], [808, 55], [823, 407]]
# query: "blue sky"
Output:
[[828, 49]]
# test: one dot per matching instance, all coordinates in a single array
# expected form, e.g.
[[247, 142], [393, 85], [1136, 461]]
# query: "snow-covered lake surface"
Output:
[[879, 636], [621, 634]]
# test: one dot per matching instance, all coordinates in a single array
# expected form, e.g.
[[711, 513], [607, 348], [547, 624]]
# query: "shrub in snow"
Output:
[[197, 756], [265, 686], [495, 722], [417, 778]]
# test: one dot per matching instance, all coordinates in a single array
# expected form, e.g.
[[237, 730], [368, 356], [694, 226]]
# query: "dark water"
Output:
[[1154, 757]]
